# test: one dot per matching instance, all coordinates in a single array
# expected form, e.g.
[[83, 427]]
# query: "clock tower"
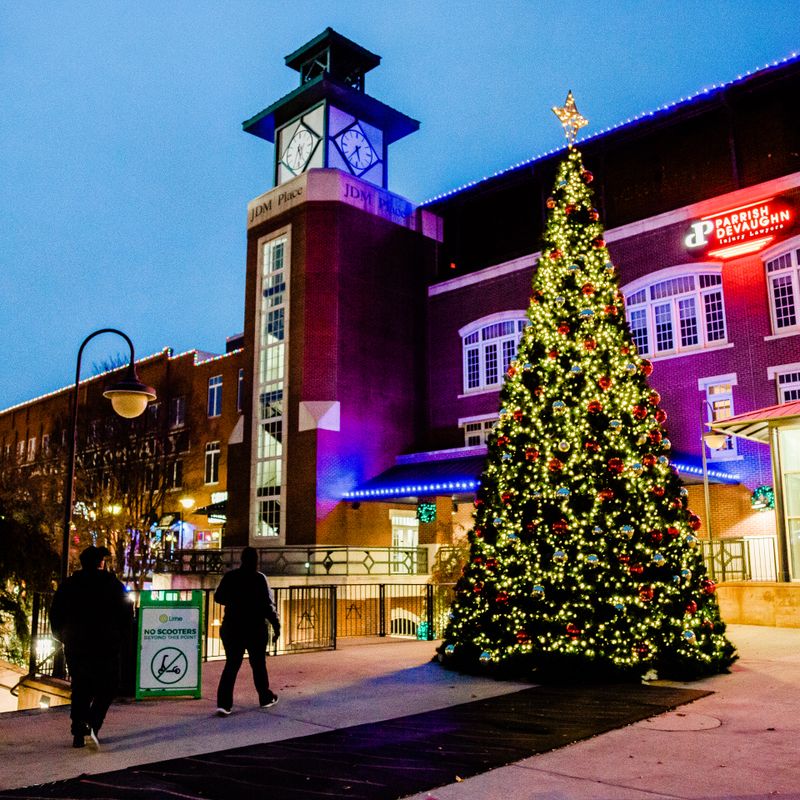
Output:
[[329, 121]]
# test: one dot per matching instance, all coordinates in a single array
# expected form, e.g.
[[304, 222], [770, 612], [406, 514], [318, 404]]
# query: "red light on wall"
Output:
[[453, 265], [738, 231]]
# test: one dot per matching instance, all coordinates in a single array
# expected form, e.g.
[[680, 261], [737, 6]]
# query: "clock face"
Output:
[[356, 149], [299, 150]]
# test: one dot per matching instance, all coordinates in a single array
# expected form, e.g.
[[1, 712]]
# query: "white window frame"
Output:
[[174, 471], [31, 448], [478, 428], [789, 250], [491, 349], [673, 301], [240, 390], [215, 396], [211, 463], [177, 412], [729, 451], [787, 381]]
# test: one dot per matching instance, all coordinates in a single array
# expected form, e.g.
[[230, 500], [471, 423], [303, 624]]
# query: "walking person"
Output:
[[91, 615], [249, 606]]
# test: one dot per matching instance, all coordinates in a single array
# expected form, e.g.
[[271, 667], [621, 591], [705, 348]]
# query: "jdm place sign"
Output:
[[739, 231]]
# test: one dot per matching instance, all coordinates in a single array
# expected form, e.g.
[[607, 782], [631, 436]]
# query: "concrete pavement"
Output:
[[741, 742]]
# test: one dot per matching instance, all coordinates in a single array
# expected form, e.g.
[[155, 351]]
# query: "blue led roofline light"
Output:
[[702, 93]]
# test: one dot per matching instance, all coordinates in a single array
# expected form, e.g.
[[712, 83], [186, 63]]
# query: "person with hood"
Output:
[[249, 606], [91, 615]]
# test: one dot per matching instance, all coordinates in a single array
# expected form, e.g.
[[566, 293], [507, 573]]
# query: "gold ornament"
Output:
[[570, 118]]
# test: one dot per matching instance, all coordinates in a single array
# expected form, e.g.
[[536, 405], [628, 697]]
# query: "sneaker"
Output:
[[223, 712], [77, 741], [271, 701], [93, 737]]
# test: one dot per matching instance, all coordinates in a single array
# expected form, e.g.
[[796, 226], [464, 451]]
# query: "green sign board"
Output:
[[170, 643]]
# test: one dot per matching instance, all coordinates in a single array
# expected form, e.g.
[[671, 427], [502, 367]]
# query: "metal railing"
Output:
[[312, 618], [750, 559], [303, 561]]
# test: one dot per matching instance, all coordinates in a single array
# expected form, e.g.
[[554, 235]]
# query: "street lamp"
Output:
[[129, 398], [715, 441]]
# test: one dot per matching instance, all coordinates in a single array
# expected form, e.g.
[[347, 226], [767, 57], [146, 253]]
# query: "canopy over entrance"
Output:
[[755, 425]]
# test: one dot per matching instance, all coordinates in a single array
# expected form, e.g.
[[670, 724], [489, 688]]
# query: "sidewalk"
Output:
[[740, 742]]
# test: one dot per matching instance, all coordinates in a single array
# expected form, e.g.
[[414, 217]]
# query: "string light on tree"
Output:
[[583, 556]]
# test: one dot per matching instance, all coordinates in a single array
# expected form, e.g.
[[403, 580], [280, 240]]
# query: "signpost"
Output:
[[170, 644]]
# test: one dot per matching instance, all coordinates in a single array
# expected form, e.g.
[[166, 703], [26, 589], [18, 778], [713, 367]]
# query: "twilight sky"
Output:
[[124, 173]]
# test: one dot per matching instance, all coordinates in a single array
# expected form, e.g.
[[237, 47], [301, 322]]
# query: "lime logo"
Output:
[[163, 618]]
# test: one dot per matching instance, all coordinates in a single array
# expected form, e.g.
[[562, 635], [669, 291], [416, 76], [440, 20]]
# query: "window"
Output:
[[31, 448], [175, 474], [489, 349], [212, 462], [476, 432], [20, 450], [215, 396], [240, 390], [677, 314], [720, 406], [153, 411], [783, 288], [177, 412], [46, 444], [788, 386]]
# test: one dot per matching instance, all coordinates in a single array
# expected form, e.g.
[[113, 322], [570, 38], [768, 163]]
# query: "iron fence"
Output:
[[303, 561], [312, 618], [750, 559]]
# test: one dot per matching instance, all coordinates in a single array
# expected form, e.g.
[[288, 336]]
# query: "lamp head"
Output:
[[129, 397], [715, 440]]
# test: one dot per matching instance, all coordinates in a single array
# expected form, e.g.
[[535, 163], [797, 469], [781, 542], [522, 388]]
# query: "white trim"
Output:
[[485, 274], [689, 268], [477, 418], [697, 352], [475, 392], [782, 335], [500, 316], [773, 372], [704, 383], [779, 249]]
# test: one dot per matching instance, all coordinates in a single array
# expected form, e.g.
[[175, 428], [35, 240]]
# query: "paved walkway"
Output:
[[741, 742]]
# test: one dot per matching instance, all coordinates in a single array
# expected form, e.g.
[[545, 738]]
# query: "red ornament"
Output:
[[589, 344], [604, 382], [511, 371], [587, 176], [624, 349], [555, 254], [531, 454], [605, 494], [708, 586], [598, 242], [553, 355], [503, 440], [538, 391], [531, 526], [491, 563], [708, 624], [658, 491], [594, 407], [646, 367], [506, 497], [569, 208], [616, 465], [587, 289], [554, 465], [536, 297], [573, 631], [642, 648], [672, 531], [594, 214], [76, 540], [592, 447], [523, 637], [636, 569], [646, 593], [560, 526], [612, 311], [502, 597], [691, 608], [661, 416], [550, 202], [649, 460], [477, 588], [477, 560], [479, 533], [639, 412], [655, 537], [654, 398], [695, 523], [564, 329], [655, 435], [623, 558], [517, 414]]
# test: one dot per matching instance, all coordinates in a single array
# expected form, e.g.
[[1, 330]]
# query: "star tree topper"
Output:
[[570, 118]]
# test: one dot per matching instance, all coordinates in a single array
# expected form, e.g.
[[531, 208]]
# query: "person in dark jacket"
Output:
[[248, 602], [91, 614]]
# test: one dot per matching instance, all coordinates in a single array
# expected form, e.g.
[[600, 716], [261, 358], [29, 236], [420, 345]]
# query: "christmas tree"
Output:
[[584, 559]]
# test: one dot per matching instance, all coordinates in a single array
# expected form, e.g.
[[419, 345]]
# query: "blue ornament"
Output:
[[689, 637], [615, 425], [586, 313], [592, 559], [663, 460], [485, 657], [562, 492], [686, 574], [684, 492], [597, 530], [559, 407], [559, 557], [537, 592], [659, 560], [576, 369], [666, 443], [449, 649], [506, 456], [573, 267], [627, 531]]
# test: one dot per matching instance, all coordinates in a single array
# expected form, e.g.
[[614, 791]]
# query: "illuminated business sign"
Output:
[[739, 231]]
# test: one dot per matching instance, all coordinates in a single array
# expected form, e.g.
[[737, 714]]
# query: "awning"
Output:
[[213, 510], [755, 425], [461, 475]]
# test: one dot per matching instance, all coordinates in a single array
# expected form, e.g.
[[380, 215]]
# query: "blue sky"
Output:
[[124, 173]]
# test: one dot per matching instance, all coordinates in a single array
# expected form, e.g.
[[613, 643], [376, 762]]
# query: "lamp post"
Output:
[[714, 441], [129, 398]]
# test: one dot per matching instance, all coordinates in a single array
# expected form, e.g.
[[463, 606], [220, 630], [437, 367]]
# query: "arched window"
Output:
[[489, 345], [677, 310], [782, 264]]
